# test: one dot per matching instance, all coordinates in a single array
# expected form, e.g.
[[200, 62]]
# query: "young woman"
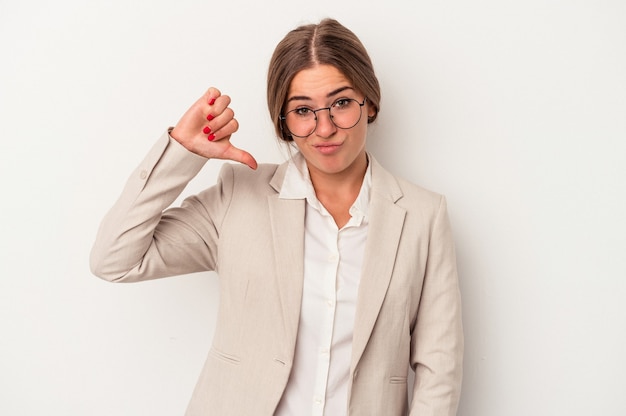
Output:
[[335, 276]]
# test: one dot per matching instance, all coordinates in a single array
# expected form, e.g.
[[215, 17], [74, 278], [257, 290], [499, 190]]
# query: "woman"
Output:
[[335, 276]]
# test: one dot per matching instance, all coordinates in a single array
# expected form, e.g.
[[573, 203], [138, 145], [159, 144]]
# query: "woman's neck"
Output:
[[338, 191]]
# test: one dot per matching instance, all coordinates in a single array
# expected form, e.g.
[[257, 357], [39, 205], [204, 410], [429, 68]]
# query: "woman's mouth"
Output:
[[327, 148]]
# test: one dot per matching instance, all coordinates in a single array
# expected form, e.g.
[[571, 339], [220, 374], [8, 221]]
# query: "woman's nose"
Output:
[[325, 126]]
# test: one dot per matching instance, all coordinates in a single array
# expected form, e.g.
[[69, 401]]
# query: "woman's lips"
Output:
[[327, 148]]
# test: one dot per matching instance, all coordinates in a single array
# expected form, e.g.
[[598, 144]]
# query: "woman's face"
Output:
[[329, 150]]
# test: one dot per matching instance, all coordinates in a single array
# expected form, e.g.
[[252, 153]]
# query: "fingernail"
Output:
[[210, 117], [212, 101], [211, 137], [206, 130]]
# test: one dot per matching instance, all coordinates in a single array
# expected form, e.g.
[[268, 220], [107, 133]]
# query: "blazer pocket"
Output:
[[230, 359], [397, 380]]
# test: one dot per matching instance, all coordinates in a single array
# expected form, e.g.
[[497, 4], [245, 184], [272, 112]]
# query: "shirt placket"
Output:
[[328, 316]]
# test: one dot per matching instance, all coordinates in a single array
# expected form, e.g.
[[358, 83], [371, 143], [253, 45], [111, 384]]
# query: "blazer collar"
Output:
[[279, 175], [383, 182]]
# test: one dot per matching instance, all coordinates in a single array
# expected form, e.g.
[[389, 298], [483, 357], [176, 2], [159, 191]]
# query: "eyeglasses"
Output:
[[344, 113]]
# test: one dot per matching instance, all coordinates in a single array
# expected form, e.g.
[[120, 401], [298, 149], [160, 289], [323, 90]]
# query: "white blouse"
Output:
[[333, 259]]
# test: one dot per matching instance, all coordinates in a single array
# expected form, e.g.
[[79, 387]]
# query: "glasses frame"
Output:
[[283, 119]]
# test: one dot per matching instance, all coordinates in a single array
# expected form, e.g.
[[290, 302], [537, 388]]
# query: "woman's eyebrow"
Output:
[[330, 94], [338, 90]]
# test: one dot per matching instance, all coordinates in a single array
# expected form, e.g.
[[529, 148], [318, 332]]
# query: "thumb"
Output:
[[239, 155]]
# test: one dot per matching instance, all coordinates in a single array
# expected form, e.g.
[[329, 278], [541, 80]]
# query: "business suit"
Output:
[[408, 308]]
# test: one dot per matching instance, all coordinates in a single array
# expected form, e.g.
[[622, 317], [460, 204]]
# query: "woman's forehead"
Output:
[[320, 81]]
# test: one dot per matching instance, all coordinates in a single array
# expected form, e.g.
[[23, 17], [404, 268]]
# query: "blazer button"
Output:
[[143, 174]]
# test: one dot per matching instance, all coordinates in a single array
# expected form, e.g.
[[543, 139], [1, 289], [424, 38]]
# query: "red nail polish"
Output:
[[210, 117], [212, 101], [206, 130], [211, 137]]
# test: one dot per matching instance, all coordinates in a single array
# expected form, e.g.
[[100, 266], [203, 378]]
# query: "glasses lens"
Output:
[[345, 113], [301, 122]]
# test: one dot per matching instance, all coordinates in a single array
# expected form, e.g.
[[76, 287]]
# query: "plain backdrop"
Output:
[[515, 110]]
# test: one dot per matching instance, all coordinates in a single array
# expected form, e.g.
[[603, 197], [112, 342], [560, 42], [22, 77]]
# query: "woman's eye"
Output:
[[303, 111], [341, 103]]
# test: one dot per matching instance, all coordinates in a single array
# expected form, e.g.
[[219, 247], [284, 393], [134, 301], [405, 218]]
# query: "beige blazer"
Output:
[[408, 312]]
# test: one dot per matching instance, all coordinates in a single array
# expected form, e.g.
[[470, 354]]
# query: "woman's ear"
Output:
[[371, 112]]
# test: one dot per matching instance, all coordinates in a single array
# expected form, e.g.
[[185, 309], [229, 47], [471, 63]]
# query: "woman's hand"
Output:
[[205, 129]]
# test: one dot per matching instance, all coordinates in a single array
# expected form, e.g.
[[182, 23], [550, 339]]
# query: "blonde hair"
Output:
[[325, 43]]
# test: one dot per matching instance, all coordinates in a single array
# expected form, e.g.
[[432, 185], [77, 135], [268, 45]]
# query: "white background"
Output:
[[515, 110]]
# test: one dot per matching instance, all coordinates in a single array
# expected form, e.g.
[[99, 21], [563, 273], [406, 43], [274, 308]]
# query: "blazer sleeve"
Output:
[[139, 239], [437, 338]]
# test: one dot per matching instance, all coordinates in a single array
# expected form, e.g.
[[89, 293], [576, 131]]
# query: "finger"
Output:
[[192, 124], [225, 121], [211, 95], [238, 155], [216, 106], [223, 131]]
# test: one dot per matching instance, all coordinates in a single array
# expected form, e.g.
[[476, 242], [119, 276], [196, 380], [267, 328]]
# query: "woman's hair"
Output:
[[326, 43]]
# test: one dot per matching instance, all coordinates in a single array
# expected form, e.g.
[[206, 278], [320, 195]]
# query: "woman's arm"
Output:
[[137, 240], [437, 338], [128, 246]]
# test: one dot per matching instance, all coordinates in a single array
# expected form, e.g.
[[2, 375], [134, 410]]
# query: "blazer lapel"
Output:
[[287, 222], [385, 228]]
